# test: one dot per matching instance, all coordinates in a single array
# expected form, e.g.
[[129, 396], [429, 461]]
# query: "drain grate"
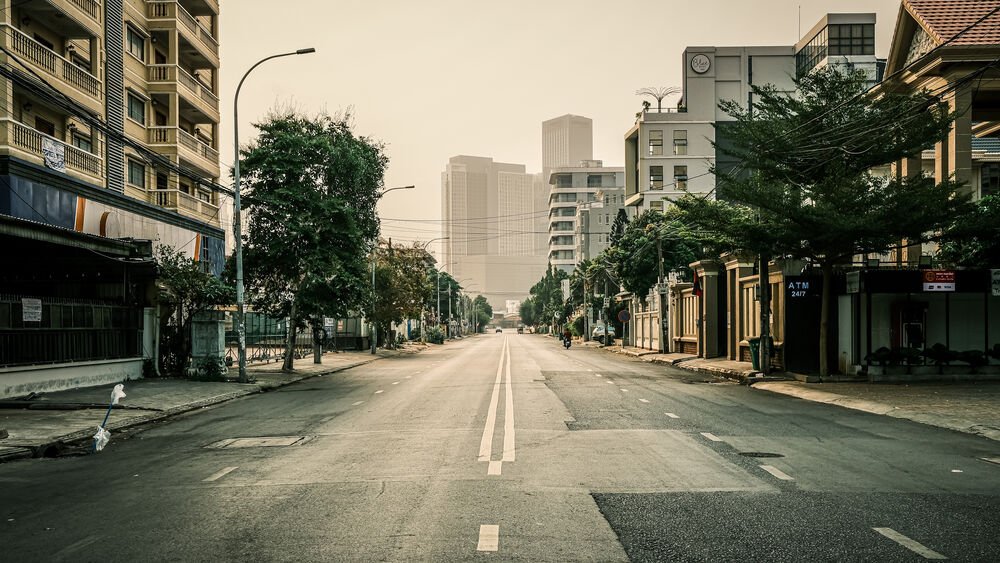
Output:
[[760, 454], [259, 442]]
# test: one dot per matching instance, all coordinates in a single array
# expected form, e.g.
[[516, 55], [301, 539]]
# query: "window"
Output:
[[45, 42], [990, 179], [564, 181], [136, 108], [655, 143], [82, 142], [681, 177], [136, 174], [136, 43], [656, 177], [45, 126], [852, 39], [598, 218], [593, 181], [607, 218], [680, 142]]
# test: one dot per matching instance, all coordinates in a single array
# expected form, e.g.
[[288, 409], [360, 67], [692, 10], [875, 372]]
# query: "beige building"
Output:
[[108, 134], [584, 188]]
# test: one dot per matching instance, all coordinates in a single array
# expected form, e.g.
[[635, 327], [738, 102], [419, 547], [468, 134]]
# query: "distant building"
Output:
[[489, 218], [567, 140], [595, 219], [572, 188]]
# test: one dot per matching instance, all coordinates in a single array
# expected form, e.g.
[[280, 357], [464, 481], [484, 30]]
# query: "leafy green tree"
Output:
[[311, 187], [528, 317], [635, 256], [547, 296], [184, 290], [618, 227], [805, 189], [973, 240], [443, 292], [482, 313], [402, 286]]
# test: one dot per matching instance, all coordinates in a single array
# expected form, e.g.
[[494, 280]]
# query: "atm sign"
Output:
[[939, 280]]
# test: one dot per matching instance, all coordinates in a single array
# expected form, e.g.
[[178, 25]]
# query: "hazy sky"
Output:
[[437, 78]]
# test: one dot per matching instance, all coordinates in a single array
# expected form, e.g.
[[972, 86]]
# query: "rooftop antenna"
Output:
[[799, 36], [659, 93]]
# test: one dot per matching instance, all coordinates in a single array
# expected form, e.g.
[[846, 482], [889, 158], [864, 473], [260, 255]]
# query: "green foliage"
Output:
[[577, 326], [209, 370], [447, 289], [940, 355], [311, 187], [635, 257], [184, 290], [803, 187], [547, 296], [973, 240], [482, 312], [402, 286], [528, 315], [618, 227], [435, 335]]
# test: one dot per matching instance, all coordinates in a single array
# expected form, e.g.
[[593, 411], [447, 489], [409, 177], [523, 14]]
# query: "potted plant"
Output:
[[940, 355]]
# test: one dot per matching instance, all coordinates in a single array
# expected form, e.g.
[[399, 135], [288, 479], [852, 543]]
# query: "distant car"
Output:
[[520, 330], [499, 329], [598, 333]]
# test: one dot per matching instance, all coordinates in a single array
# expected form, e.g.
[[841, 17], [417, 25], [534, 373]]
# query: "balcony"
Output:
[[185, 204], [173, 140], [66, 76], [169, 15], [74, 19], [27, 143], [201, 100]]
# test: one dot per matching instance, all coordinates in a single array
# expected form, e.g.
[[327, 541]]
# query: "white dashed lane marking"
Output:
[[489, 538], [624, 390], [711, 436], [671, 415], [395, 383], [776, 472], [218, 475], [910, 544], [380, 391], [356, 403], [643, 400]]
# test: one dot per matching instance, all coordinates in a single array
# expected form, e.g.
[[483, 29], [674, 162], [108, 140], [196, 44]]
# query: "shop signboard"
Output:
[[939, 280]]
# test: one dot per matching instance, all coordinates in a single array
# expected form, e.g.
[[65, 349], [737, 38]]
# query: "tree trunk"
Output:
[[289, 363], [824, 320], [317, 346]]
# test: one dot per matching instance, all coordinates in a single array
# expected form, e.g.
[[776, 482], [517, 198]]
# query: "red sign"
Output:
[[939, 280]]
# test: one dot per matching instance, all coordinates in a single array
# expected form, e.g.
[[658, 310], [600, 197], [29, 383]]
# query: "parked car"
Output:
[[499, 329], [520, 330], [598, 333]]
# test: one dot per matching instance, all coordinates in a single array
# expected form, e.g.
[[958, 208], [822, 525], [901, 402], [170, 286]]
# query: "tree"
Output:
[[634, 258], [527, 311], [809, 193], [482, 313], [311, 186], [402, 286], [973, 241], [184, 290], [547, 296], [618, 227]]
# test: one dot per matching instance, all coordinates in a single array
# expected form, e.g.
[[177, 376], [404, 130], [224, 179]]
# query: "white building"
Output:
[[585, 185]]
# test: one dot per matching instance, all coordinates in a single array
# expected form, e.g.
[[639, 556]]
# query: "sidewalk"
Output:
[[971, 407], [46, 424]]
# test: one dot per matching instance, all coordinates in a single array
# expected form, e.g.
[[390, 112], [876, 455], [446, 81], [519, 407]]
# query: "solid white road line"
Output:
[[489, 537], [671, 415], [356, 403], [486, 445], [776, 472], [643, 400], [218, 475], [379, 391], [912, 545], [711, 436], [508, 417], [495, 468]]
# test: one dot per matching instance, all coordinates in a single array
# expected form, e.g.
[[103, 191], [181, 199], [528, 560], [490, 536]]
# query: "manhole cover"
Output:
[[760, 454], [259, 442]]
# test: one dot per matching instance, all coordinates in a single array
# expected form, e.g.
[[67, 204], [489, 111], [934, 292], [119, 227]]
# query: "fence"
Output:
[[265, 340], [68, 331]]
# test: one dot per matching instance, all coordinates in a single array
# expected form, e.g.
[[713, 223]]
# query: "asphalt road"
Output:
[[509, 447]]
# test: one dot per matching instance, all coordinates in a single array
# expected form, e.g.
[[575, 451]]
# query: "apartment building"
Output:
[[108, 135], [586, 186], [595, 219]]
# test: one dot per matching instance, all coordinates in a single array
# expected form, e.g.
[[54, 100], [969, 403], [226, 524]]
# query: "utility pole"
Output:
[[586, 312], [448, 334], [659, 289]]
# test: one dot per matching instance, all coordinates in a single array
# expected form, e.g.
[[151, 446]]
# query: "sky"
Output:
[[433, 79]]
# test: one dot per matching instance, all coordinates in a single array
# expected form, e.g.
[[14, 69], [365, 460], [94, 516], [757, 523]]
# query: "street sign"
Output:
[[624, 316], [607, 302], [565, 289], [31, 310], [939, 280]]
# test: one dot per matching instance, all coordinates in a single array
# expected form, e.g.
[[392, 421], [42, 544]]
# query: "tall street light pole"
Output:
[[423, 310], [374, 330], [237, 231]]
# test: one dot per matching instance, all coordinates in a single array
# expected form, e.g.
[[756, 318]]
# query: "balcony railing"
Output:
[[174, 73], [30, 140], [56, 65], [185, 204], [177, 136], [89, 7], [170, 9]]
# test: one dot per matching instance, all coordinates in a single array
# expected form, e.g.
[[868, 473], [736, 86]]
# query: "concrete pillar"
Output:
[[960, 137], [708, 308]]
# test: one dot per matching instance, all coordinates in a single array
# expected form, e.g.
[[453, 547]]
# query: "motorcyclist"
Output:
[[567, 336]]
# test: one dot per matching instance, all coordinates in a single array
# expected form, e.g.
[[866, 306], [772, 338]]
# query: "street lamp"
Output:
[[374, 331], [423, 310], [237, 234]]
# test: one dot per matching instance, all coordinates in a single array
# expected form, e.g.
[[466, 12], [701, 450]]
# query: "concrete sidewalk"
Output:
[[45, 424], [969, 407]]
